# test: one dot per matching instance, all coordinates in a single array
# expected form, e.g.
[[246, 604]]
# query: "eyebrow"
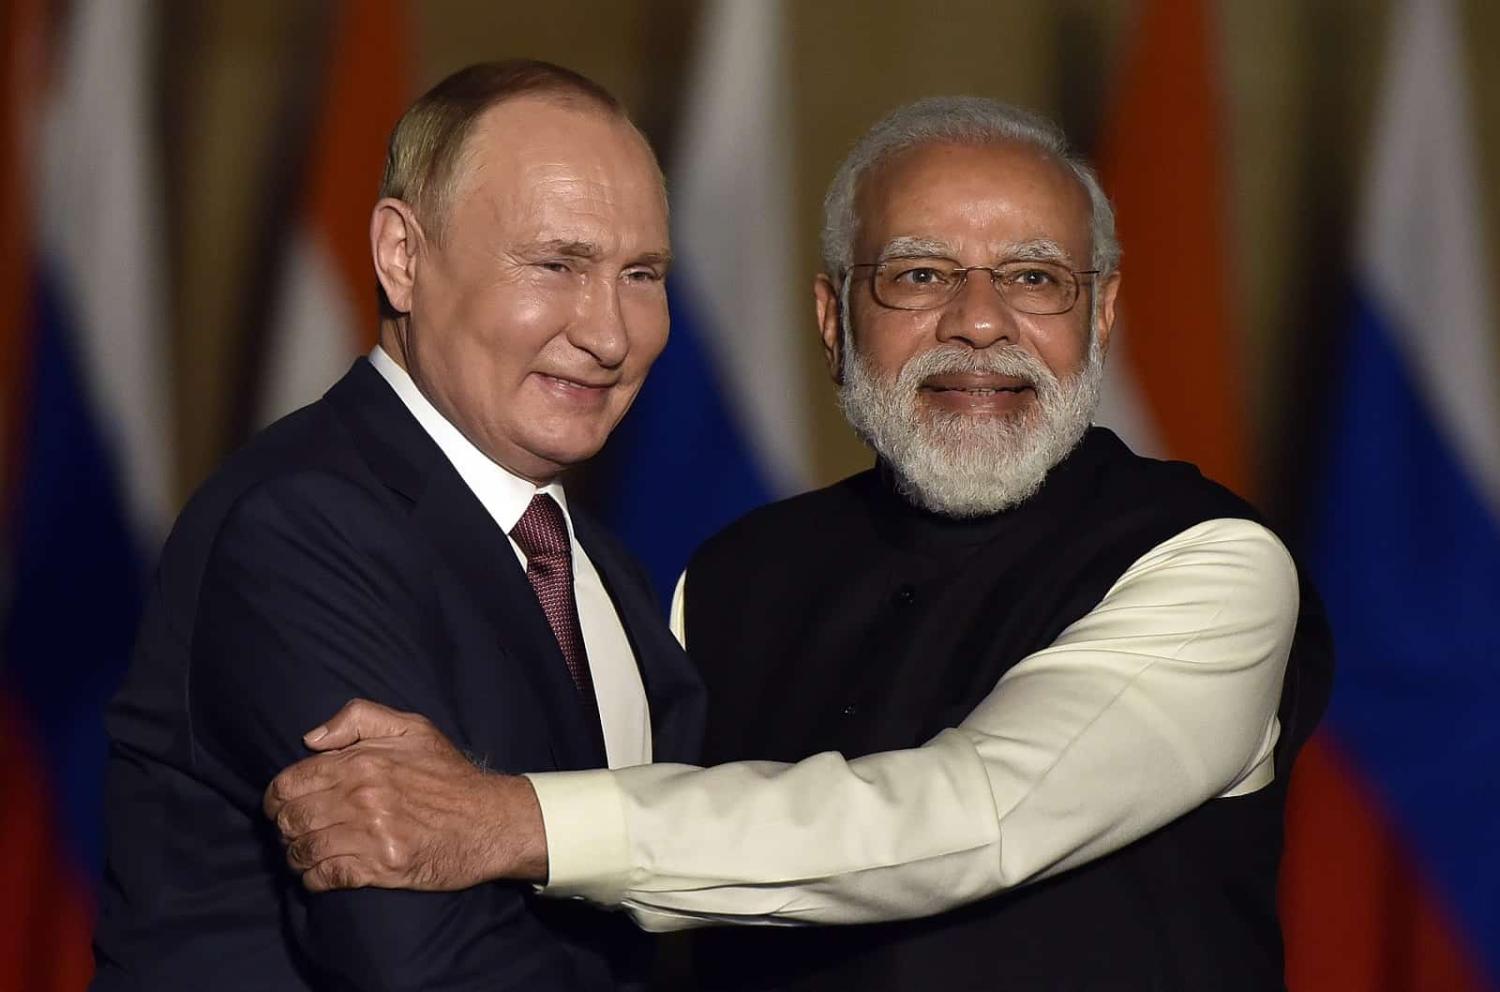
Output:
[[1039, 250], [563, 246], [1033, 250], [588, 250], [662, 258], [907, 247]]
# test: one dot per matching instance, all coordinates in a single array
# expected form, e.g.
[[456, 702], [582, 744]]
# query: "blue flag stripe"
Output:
[[79, 580], [679, 466]]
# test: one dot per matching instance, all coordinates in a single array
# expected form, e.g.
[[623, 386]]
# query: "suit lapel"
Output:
[[469, 542], [674, 691]]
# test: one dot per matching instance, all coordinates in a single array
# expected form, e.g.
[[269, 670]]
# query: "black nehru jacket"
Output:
[[848, 620]]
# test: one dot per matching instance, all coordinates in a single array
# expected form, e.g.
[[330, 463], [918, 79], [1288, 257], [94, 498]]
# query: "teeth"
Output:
[[978, 390]]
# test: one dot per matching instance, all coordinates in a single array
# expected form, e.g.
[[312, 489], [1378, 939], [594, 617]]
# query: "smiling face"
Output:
[[977, 205], [532, 325], [971, 402]]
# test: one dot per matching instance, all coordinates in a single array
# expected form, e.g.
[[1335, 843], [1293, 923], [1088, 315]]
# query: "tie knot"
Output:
[[542, 530]]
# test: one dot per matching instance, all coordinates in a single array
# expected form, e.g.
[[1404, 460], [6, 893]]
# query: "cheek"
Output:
[[508, 315], [1063, 348], [508, 330], [647, 321], [890, 339]]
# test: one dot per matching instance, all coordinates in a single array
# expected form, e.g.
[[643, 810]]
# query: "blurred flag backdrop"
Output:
[[719, 426], [87, 500], [1390, 882], [320, 310], [1405, 545]]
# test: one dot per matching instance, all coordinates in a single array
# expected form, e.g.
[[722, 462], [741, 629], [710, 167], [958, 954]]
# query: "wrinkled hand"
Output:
[[391, 803]]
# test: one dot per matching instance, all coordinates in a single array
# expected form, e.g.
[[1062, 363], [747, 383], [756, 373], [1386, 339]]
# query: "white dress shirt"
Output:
[[1160, 698], [623, 711]]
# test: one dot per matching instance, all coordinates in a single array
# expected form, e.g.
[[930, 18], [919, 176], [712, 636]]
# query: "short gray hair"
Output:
[[969, 120]]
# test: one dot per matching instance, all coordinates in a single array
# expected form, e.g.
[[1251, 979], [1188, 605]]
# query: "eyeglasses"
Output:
[[1035, 287]]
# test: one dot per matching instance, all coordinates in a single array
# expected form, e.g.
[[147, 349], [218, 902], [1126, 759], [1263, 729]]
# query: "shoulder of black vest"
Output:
[[1173, 487], [775, 525]]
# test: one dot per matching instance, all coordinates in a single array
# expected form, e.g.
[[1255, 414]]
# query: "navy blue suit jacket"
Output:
[[341, 555]]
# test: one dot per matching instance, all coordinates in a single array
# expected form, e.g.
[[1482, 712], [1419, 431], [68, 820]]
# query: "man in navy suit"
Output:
[[406, 539]]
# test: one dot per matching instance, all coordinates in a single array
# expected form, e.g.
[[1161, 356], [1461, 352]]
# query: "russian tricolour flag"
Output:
[[1407, 534], [720, 426]]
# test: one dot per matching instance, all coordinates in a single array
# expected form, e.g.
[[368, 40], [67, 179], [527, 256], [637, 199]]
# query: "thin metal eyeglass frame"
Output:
[[962, 271]]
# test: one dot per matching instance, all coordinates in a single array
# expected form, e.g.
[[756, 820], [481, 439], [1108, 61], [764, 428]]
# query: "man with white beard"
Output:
[[955, 464], [1014, 679]]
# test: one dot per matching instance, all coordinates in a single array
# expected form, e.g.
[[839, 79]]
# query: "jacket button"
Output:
[[905, 596], [850, 710]]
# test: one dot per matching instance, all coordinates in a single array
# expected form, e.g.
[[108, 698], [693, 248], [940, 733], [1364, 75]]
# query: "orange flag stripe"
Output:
[[363, 98], [22, 35], [1163, 164]]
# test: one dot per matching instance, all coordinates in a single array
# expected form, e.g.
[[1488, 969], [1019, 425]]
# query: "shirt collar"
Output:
[[504, 494]]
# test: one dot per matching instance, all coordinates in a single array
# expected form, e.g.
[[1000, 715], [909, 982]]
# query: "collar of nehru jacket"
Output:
[[913, 528]]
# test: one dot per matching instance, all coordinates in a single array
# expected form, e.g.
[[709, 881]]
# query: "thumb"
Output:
[[361, 720]]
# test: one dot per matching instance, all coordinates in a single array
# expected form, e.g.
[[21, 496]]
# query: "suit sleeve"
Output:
[[308, 601], [1159, 699]]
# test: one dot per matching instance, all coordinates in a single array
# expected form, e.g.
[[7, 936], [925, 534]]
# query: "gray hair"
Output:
[[964, 120]]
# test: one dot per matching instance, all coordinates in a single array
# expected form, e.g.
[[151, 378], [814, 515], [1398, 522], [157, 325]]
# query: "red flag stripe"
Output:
[[1357, 913], [46, 912]]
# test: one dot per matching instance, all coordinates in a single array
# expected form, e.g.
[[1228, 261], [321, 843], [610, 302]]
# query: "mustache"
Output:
[[947, 359]]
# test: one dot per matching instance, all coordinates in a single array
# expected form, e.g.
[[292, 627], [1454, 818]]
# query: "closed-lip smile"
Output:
[[575, 382]]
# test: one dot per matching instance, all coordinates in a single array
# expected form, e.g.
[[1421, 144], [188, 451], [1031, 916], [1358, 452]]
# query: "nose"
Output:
[[599, 325], [978, 316]]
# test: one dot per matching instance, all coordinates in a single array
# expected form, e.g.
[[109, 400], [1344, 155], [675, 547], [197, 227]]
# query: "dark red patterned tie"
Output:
[[543, 535]]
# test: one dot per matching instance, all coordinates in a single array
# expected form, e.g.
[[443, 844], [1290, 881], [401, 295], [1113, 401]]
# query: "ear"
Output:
[[395, 239], [1104, 320], [826, 295]]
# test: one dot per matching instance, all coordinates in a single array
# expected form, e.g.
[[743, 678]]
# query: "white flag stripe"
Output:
[[734, 231], [1422, 249], [102, 229], [312, 335], [1122, 405]]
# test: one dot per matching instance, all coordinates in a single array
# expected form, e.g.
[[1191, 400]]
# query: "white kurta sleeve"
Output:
[[1159, 699]]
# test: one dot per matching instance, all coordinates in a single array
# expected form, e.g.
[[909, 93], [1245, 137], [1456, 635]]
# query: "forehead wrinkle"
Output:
[[568, 219]]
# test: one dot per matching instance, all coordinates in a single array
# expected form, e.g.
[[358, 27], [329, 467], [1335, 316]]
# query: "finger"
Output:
[[360, 719], [335, 873], [307, 776], [305, 814], [339, 842]]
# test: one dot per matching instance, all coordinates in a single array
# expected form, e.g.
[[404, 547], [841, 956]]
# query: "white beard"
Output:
[[962, 465]]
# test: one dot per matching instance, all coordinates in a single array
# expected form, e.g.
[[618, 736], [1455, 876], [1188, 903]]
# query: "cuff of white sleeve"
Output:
[[588, 846]]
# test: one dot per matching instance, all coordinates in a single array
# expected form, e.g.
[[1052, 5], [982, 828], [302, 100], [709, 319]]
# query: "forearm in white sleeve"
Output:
[[1159, 699]]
